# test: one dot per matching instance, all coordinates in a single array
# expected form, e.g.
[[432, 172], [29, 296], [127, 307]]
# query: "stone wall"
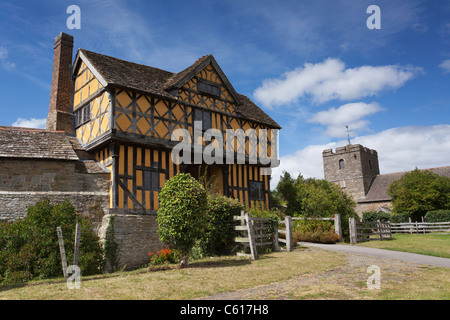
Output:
[[372, 206], [136, 236], [24, 182]]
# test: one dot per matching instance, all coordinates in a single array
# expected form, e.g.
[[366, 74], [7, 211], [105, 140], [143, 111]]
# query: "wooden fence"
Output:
[[361, 231], [257, 232], [285, 229], [420, 227]]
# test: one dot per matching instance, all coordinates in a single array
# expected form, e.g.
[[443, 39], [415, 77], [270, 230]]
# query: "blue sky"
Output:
[[313, 66]]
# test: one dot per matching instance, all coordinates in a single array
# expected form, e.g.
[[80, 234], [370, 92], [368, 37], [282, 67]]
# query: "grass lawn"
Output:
[[432, 244], [201, 278], [316, 274]]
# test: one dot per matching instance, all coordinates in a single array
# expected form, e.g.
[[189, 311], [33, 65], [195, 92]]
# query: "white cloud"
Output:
[[445, 65], [7, 65], [399, 149], [349, 114], [330, 80], [30, 123], [3, 53]]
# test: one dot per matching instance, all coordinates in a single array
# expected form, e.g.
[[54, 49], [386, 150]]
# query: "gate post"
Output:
[[352, 229], [289, 242], [251, 236], [337, 225]]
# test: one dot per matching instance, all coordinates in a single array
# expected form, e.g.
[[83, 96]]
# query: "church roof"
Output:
[[381, 183], [119, 73], [35, 144]]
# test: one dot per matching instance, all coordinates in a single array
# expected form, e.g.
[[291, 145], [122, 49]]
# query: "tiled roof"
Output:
[[381, 183], [35, 144], [130, 75]]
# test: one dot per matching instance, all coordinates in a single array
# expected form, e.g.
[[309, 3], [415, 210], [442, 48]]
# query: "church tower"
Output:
[[352, 167]]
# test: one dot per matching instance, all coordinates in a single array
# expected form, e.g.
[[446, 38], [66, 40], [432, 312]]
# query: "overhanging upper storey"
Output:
[[117, 99]]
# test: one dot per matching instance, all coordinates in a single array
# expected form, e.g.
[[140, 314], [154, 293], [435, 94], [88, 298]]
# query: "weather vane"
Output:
[[348, 134]]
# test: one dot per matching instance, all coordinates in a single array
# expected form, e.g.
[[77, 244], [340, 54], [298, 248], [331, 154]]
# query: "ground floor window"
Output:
[[256, 190]]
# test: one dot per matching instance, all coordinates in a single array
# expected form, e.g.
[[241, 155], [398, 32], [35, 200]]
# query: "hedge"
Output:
[[438, 216]]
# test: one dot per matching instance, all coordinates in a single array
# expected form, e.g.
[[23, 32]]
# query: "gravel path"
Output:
[[381, 253], [342, 282]]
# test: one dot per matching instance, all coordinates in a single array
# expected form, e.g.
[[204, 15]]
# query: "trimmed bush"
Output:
[[29, 248], [182, 217], [373, 216], [438, 216]]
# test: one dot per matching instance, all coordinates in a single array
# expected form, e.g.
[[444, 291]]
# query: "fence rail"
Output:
[[367, 231], [256, 233], [420, 227]]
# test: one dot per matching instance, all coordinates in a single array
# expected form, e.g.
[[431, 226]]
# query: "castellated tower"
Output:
[[352, 167]]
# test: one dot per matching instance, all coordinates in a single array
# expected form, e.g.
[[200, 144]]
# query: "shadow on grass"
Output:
[[218, 262]]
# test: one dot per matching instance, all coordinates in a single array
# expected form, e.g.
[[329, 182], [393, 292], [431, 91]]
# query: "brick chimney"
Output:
[[59, 113]]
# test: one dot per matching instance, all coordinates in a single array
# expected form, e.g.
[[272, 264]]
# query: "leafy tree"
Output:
[[320, 198], [420, 191], [182, 215], [287, 191]]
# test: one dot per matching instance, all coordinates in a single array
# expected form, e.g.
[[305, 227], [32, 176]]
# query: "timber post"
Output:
[[338, 226], [62, 251], [289, 240], [352, 227]]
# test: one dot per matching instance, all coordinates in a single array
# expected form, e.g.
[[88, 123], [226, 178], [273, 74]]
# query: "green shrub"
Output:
[[182, 215], [29, 247], [438, 216], [219, 236], [399, 217], [373, 216]]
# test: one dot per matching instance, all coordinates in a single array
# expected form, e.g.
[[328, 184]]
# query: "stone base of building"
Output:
[[136, 236]]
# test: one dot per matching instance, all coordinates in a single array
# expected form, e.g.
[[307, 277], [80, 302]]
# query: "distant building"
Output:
[[356, 170]]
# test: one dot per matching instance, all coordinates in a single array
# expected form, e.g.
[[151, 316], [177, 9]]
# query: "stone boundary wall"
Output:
[[23, 182], [13, 204]]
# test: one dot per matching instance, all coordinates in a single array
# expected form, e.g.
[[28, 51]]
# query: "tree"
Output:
[[418, 192], [182, 214], [287, 191], [320, 198]]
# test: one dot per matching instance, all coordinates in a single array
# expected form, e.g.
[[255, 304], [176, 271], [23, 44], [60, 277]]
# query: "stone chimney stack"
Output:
[[59, 113]]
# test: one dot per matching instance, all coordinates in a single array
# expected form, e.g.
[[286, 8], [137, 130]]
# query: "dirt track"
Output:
[[342, 282]]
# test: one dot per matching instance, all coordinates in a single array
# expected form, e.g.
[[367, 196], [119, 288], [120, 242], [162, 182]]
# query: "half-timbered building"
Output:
[[122, 117]]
